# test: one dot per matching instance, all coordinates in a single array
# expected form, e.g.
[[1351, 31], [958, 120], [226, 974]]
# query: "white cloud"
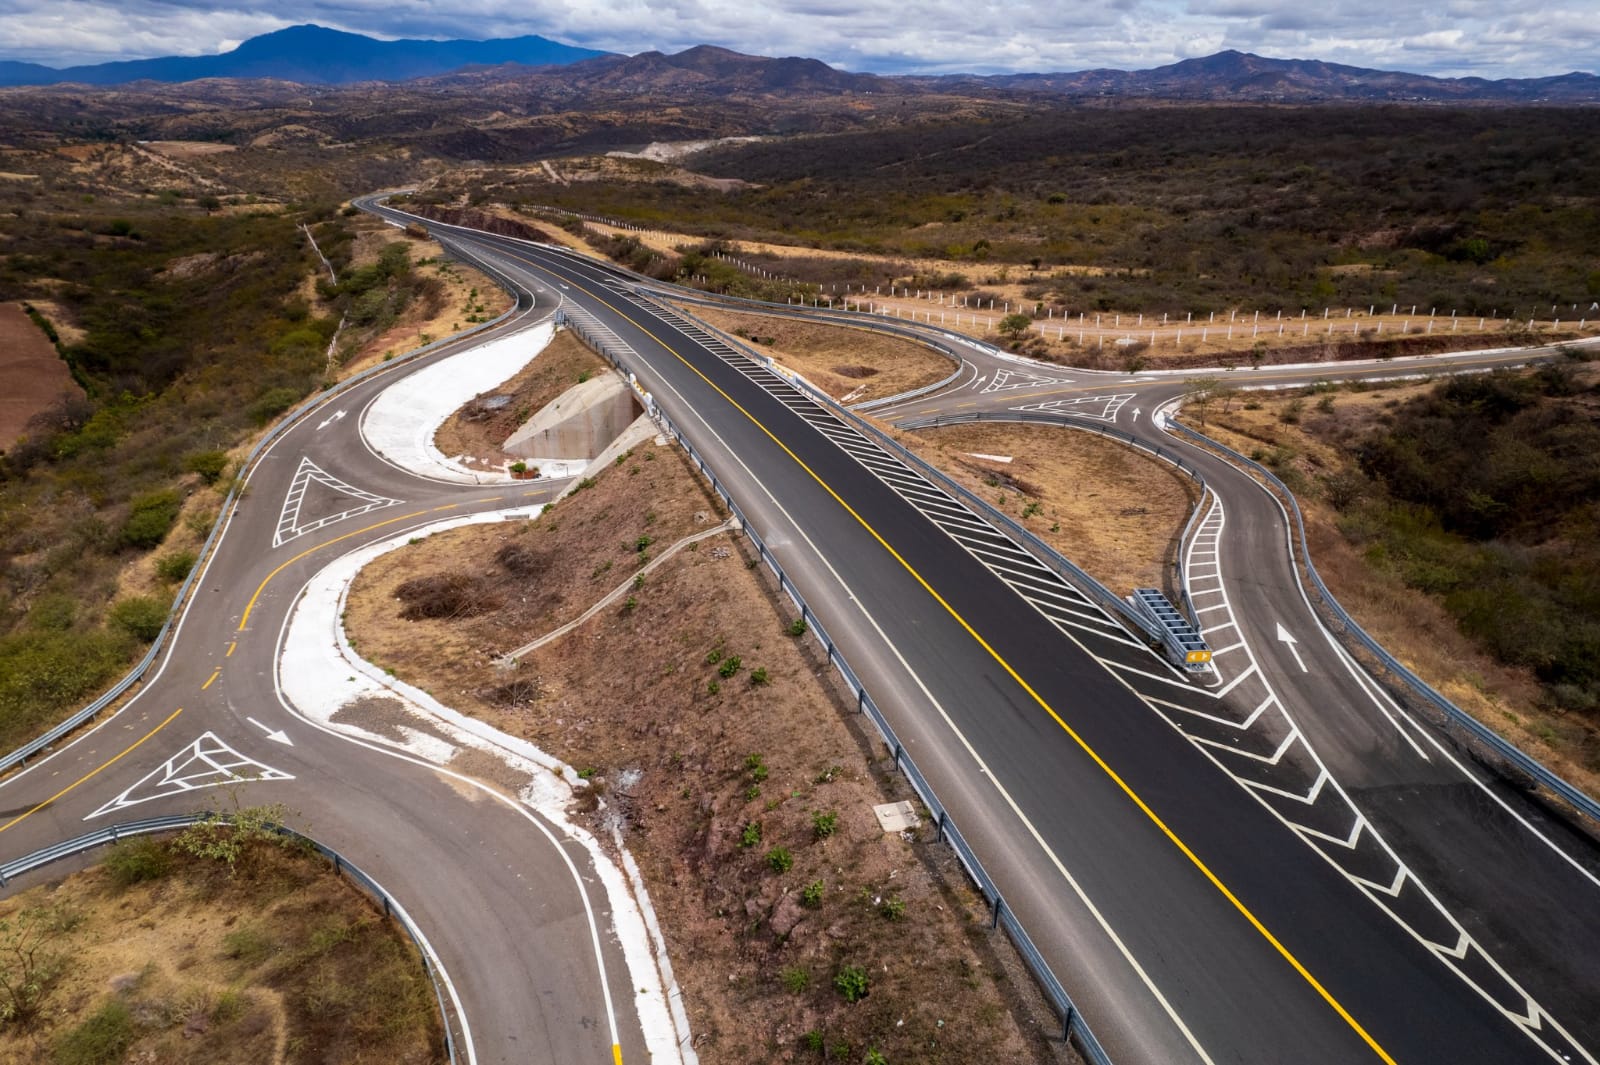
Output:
[[1503, 38]]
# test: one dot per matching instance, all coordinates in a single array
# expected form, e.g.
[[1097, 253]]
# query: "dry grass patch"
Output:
[[715, 743], [482, 425], [160, 956], [841, 361], [1114, 511]]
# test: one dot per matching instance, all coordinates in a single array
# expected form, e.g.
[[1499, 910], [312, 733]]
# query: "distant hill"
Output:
[[1235, 75], [311, 55], [317, 56]]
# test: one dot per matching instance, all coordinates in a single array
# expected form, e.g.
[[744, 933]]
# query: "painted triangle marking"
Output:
[[1093, 408], [205, 763], [1006, 380], [308, 475]]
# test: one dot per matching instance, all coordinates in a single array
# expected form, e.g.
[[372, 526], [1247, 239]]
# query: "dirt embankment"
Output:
[[35, 377], [479, 428], [715, 739], [843, 362], [1115, 512]]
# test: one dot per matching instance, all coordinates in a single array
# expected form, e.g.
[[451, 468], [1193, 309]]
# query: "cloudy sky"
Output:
[[1488, 38]]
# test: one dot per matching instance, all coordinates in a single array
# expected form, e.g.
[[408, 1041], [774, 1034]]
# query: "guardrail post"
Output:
[[1066, 1022], [999, 904]]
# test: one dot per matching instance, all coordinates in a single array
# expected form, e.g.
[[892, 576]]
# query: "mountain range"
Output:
[[310, 55], [313, 55]]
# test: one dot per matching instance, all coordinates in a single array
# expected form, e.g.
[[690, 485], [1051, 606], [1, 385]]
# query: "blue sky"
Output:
[[1487, 38]]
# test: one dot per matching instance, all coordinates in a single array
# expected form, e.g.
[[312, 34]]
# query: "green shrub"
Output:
[[271, 403], [751, 835], [729, 667], [797, 627], [795, 979], [758, 676], [874, 1057], [103, 1038], [757, 767], [780, 859], [141, 616], [813, 1041], [248, 944], [892, 909], [824, 825], [811, 894], [150, 518], [210, 465], [851, 982], [174, 566], [131, 861]]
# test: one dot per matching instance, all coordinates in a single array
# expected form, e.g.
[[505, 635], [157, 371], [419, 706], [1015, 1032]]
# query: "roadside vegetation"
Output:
[[213, 947], [1173, 209], [188, 328], [709, 733], [1457, 521]]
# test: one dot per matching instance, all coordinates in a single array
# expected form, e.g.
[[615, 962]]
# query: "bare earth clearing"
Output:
[[282, 963], [1413, 627], [717, 744], [1113, 511], [839, 360], [479, 430], [32, 376]]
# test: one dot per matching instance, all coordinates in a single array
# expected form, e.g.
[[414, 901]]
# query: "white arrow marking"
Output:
[[335, 417], [278, 736], [1288, 638], [1136, 414]]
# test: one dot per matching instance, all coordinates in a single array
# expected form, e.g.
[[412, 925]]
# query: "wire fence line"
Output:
[[1502, 755], [342, 866], [20, 756], [1073, 1027]]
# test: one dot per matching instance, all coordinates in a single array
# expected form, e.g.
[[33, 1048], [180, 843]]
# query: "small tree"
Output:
[[1014, 325]]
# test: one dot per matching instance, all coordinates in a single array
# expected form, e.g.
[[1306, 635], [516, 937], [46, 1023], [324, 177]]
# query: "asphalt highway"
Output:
[[1190, 919]]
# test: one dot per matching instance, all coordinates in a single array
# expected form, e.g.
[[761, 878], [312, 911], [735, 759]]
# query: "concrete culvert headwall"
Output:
[[579, 423]]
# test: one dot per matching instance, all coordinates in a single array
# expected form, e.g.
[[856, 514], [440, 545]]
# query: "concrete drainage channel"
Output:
[[455, 1032], [1074, 1028]]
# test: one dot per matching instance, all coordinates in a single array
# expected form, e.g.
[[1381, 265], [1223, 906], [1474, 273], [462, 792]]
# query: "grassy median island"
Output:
[[211, 948], [714, 739], [1455, 520]]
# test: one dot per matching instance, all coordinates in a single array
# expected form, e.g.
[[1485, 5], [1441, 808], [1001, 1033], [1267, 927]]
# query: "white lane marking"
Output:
[[1535, 1018], [1286, 637], [336, 416], [205, 763], [275, 735], [1022, 818]]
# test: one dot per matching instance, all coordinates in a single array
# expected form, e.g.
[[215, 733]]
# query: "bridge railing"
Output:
[[1073, 1027], [1452, 716], [342, 866]]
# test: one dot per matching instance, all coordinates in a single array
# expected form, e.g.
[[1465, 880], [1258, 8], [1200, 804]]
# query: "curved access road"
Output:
[[512, 909]]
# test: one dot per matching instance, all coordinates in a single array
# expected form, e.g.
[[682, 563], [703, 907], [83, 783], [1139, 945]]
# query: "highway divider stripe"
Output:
[[1094, 756], [251, 605], [108, 763]]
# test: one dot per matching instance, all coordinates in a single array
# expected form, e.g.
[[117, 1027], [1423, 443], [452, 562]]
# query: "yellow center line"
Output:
[[616, 1053], [93, 772], [251, 605], [1083, 744], [231, 646], [211, 680], [448, 506]]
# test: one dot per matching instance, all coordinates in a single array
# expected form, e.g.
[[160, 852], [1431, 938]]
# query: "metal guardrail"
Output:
[[342, 866], [1505, 749], [1073, 1026], [20, 756]]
